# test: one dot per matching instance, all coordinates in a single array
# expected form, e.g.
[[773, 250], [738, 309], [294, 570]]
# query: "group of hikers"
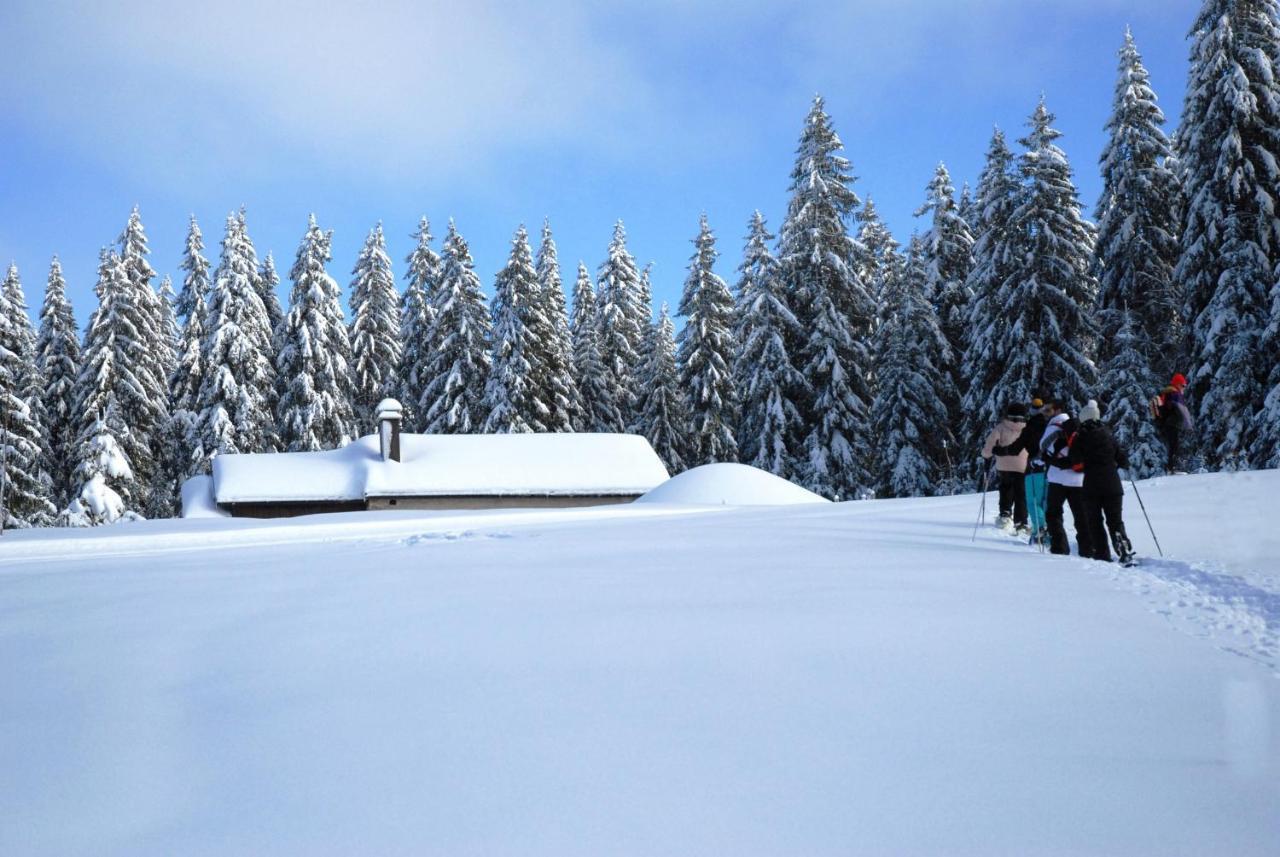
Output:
[[1047, 460]]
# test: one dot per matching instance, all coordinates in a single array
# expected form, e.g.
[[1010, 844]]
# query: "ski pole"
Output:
[[982, 507], [1143, 506]]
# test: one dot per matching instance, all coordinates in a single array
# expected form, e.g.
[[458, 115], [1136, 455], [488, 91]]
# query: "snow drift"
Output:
[[729, 485]]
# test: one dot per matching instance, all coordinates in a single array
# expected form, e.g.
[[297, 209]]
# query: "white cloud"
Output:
[[430, 85]]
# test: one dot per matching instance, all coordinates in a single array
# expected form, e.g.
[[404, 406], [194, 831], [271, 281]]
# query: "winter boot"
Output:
[[1125, 549]]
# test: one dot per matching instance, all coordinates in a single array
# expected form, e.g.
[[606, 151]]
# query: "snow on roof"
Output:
[[574, 464]]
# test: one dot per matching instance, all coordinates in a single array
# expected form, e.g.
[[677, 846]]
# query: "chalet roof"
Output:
[[570, 464]]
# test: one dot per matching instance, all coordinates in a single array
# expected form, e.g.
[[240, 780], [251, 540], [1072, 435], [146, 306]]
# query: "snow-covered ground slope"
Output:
[[652, 679], [730, 485]]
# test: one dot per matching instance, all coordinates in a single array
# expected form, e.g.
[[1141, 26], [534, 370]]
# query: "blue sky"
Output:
[[497, 113]]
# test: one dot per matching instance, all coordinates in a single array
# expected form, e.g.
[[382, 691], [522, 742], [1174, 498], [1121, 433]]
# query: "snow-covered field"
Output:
[[652, 679]]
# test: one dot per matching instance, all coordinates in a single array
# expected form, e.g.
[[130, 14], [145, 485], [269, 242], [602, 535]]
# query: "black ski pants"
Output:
[[1110, 506], [1073, 497], [1013, 496], [1171, 434]]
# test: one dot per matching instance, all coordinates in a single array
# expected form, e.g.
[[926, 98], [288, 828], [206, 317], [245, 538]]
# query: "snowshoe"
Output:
[[1022, 531], [1129, 561]]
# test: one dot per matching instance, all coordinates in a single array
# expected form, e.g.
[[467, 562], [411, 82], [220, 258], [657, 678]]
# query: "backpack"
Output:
[[1156, 407], [1060, 449]]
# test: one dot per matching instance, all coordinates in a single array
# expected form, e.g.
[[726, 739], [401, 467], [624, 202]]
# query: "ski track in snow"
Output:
[[1231, 612], [1237, 612]]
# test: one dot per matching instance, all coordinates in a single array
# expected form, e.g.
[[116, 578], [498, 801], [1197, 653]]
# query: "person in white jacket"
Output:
[[1066, 485]]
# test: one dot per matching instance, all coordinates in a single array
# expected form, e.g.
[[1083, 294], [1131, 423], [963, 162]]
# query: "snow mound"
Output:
[[730, 485], [197, 499]]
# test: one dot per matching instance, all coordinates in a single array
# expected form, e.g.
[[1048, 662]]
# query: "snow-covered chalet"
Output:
[[391, 470]]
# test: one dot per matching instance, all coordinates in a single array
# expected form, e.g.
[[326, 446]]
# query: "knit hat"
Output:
[[1090, 412], [1016, 411], [1179, 381], [1037, 403]]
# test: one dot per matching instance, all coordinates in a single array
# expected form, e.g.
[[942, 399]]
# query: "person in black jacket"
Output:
[[1096, 452]]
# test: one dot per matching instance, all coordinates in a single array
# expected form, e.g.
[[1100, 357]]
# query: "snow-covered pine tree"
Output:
[[820, 265], [314, 410], [58, 363], [511, 397], [375, 330], [881, 253], [911, 422], [188, 370], [108, 387], [948, 260], [453, 393], [416, 318], [771, 430], [706, 356], [982, 363], [172, 439], [154, 358], [102, 471], [1137, 223], [967, 208], [268, 281], [236, 390], [23, 454], [1050, 293], [599, 404], [1230, 157], [644, 318], [1126, 388], [665, 414], [620, 317], [1267, 445], [553, 368], [195, 281]]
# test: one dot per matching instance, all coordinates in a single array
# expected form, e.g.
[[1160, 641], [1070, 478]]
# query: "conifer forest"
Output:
[[818, 347]]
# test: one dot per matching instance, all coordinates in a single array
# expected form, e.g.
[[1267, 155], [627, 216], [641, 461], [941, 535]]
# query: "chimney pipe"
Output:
[[389, 415]]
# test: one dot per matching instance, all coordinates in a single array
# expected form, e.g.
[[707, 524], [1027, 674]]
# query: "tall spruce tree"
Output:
[[236, 393], [1137, 222], [195, 280], [665, 414], [983, 360], [599, 404], [706, 356], [1050, 291], [552, 368], [174, 436], [1230, 157], [512, 400], [268, 281], [154, 360], [375, 330], [23, 453], [1126, 384], [771, 430], [622, 323], [316, 389], [948, 259], [454, 391], [880, 255], [107, 388], [416, 319], [57, 361], [910, 415], [820, 265]]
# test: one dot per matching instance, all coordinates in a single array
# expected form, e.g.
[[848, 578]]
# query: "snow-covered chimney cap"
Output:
[[389, 409]]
